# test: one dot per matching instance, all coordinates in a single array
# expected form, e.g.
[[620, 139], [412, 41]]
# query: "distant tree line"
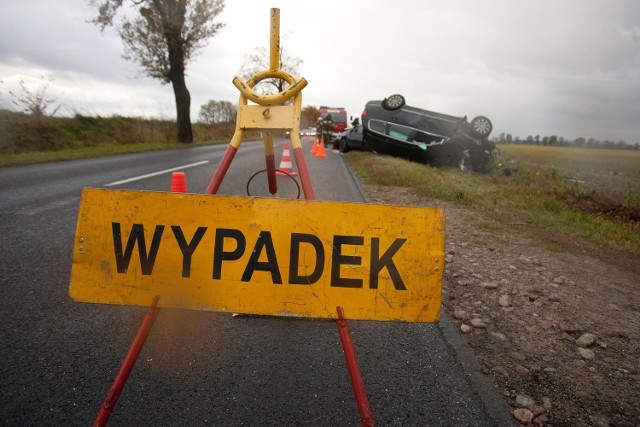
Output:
[[558, 141], [217, 112]]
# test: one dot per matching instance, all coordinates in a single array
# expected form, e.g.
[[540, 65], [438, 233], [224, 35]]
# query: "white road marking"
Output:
[[149, 175]]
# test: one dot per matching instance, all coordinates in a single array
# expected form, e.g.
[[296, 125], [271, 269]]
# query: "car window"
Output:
[[406, 134], [401, 133], [427, 138], [377, 126]]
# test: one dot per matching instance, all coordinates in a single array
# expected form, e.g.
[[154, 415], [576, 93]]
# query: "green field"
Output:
[[615, 170], [570, 199]]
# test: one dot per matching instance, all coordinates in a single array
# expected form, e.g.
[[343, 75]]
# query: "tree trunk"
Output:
[[183, 107]]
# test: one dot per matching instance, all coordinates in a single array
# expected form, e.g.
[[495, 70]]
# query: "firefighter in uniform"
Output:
[[327, 129]]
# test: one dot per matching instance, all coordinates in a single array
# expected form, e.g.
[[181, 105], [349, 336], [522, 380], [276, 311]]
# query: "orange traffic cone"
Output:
[[178, 182], [320, 153], [314, 146], [285, 163]]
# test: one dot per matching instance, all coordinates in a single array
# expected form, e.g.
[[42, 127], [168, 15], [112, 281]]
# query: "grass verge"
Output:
[[537, 196]]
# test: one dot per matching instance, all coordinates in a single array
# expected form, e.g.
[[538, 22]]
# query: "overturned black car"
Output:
[[391, 127]]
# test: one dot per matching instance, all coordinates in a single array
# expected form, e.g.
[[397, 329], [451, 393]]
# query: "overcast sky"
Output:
[[543, 67]]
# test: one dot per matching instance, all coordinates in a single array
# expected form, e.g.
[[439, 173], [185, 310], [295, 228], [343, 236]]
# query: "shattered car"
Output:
[[352, 138], [392, 127]]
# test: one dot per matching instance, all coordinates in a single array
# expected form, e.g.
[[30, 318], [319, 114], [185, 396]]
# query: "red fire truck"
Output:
[[338, 115]]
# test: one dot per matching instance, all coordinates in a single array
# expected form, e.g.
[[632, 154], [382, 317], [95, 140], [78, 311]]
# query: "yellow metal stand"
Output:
[[272, 112]]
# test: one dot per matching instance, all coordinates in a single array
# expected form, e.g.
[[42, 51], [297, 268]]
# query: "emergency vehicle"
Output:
[[338, 115]]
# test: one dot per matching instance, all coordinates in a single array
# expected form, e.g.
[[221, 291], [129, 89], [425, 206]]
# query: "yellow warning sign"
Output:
[[258, 255]]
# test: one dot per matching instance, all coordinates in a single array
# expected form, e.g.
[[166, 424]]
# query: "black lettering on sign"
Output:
[[220, 255], [386, 260], [264, 242], [337, 259], [147, 259], [294, 258], [187, 248]]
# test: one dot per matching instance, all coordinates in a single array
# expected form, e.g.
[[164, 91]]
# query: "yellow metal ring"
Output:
[[246, 88]]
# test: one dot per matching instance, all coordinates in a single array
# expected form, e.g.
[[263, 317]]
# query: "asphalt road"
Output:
[[58, 358]]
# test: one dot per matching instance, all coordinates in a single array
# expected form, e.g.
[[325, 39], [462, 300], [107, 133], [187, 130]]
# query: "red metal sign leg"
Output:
[[366, 419], [271, 174], [271, 163], [223, 167], [127, 366], [307, 188]]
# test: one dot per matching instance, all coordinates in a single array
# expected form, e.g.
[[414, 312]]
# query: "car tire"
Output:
[[393, 102], [481, 126], [343, 145]]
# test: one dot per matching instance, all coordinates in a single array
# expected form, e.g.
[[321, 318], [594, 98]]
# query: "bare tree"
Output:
[[260, 60], [36, 102], [162, 37]]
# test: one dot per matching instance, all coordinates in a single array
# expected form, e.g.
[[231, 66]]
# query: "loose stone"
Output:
[[524, 400], [587, 354], [504, 300], [586, 340], [499, 336], [461, 314], [478, 323], [523, 415]]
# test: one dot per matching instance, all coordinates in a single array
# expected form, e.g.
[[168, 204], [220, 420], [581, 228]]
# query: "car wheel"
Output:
[[393, 102], [343, 145], [481, 126]]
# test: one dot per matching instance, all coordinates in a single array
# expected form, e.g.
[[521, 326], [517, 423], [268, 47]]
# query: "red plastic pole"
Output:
[[271, 174], [366, 419], [223, 167], [127, 366], [307, 188]]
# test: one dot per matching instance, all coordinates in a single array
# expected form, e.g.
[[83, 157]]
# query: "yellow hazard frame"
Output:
[[272, 112]]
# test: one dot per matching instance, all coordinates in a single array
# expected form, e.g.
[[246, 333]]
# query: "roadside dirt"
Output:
[[558, 334]]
